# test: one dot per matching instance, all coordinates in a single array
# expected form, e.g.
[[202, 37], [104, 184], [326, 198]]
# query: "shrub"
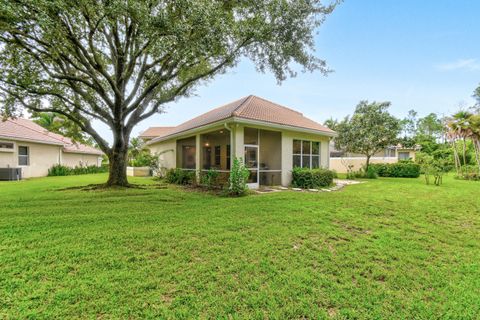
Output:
[[311, 178], [237, 181], [371, 173], [144, 159], [61, 170], [210, 179], [402, 169], [180, 176]]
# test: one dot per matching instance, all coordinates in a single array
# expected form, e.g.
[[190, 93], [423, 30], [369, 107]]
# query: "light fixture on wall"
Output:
[[207, 144]]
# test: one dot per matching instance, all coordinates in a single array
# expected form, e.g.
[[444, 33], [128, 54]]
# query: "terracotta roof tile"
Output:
[[251, 108], [27, 130], [154, 132]]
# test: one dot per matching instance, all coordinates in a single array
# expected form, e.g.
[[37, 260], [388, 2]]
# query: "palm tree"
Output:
[[461, 126], [475, 136], [46, 120]]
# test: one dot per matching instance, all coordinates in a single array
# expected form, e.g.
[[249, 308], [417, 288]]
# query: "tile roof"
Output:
[[154, 132], [27, 130], [251, 108]]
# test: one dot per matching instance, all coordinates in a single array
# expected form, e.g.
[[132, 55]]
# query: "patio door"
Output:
[[251, 163]]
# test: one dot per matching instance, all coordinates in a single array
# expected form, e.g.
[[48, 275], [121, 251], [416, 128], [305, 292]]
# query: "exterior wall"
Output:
[[138, 171], [340, 164], [284, 151], [41, 158], [167, 153], [287, 152], [80, 159]]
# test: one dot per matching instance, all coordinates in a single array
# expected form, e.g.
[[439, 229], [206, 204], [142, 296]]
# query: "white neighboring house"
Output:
[[340, 161], [28, 146]]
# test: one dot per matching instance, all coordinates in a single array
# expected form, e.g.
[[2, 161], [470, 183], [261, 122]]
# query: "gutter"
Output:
[[32, 141], [240, 121]]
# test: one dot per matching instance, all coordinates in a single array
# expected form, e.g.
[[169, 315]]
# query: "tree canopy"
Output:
[[120, 62], [369, 130]]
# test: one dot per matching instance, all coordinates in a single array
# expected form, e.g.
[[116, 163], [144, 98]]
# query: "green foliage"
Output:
[[370, 129], [210, 179], [431, 166], [371, 173], [311, 178], [181, 176], [61, 170], [145, 159], [120, 62], [237, 181], [401, 169], [60, 124], [384, 249]]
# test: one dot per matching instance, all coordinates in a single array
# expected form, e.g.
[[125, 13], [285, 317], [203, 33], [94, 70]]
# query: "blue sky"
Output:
[[423, 55]]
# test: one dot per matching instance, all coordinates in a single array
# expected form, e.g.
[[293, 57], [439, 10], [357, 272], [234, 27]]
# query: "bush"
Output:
[[311, 178], [371, 173], [402, 169], [61, 170], [237, 181], [181, 176], [210, 179], [144, 159]]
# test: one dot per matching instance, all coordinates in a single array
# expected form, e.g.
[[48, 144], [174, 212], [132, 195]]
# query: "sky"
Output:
[[422, 55]]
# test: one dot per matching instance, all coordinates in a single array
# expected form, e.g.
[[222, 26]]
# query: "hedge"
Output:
[[311, 178], [61, 170], [397, 170]]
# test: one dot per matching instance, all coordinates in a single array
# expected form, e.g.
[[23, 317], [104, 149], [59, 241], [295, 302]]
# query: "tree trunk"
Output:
[[367, 164], [118, 167]]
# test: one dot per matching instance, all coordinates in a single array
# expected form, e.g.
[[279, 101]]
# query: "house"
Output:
[[271, 140], [28, 146], [154, 132], [341, 161]]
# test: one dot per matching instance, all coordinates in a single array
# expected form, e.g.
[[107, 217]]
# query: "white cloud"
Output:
[[460, 64]]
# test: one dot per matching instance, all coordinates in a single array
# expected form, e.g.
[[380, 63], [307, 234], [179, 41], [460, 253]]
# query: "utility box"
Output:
[[10, 174]]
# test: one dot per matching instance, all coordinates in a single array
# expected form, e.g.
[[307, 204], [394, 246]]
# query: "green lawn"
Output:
[[389, 248]]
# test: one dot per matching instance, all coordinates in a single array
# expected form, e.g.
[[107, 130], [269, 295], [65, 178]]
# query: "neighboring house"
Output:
[[271, 140], [154, 132], [340, 161], [26, 145]]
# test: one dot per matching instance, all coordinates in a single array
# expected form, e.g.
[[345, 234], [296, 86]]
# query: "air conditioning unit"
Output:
[[10, 174]]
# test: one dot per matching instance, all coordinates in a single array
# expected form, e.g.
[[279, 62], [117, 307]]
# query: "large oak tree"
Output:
[[120, 61]]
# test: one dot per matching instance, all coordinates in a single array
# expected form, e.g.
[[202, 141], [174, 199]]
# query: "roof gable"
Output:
[[24, 129], [250, 108]]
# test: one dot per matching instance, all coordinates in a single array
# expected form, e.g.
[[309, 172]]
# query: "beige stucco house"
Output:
[[341, 161], [31, 148], [271, 140]]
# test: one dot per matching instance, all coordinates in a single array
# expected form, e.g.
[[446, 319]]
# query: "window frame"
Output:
[[3, 149], [310, 155], [26, 156]]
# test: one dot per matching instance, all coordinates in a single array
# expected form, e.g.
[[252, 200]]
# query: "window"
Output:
[[403, 155], [228, 157], [217, 155], [23, 156], [306, 154], [389, 152], [6, 145]]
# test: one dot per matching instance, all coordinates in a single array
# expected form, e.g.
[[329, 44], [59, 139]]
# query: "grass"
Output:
[[389, 248]]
